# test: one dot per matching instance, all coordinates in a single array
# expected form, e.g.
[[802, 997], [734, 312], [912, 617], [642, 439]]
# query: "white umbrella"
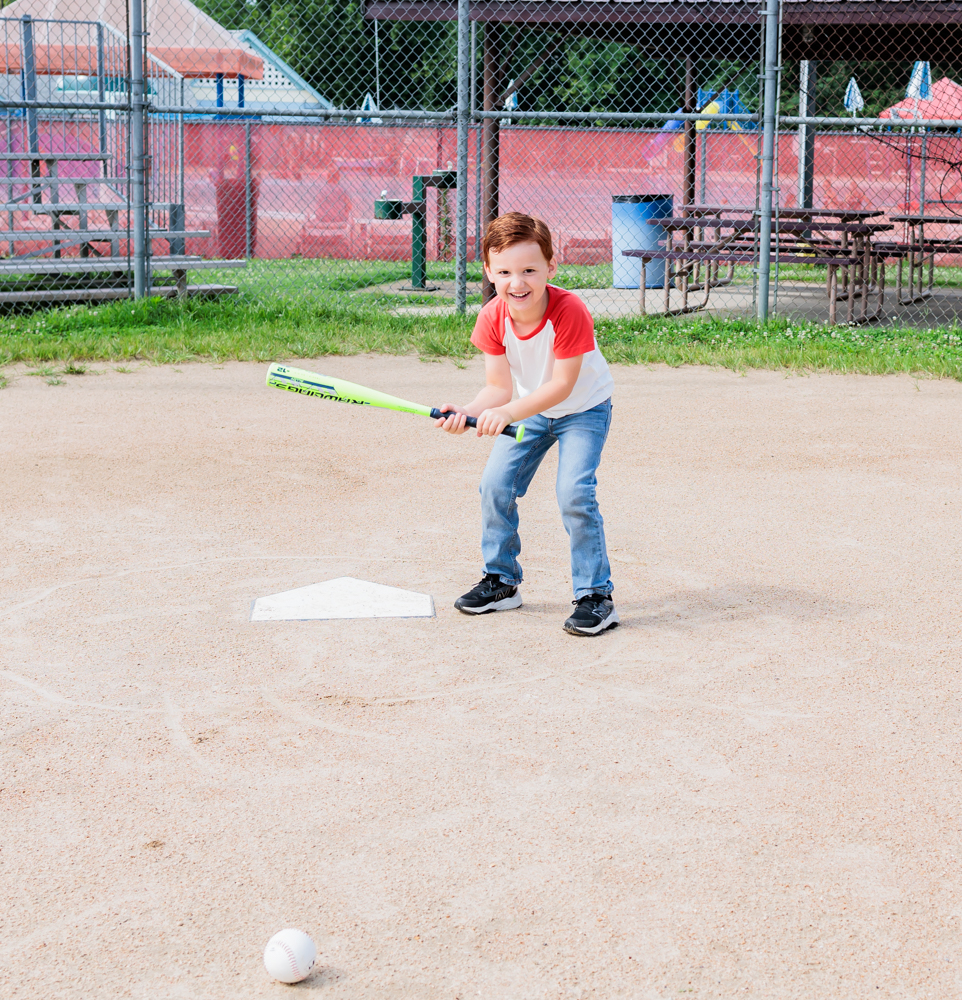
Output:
[[853, 98], [920, 84]]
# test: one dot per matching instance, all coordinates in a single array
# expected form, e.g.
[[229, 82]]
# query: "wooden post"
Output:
[[490, 136]]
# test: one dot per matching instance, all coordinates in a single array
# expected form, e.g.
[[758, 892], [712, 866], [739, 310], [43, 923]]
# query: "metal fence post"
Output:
[[806, 133], [478, 130], [464, 112], [247, 190], [703, 170], [491, 81], [770, 98], [30, 81], [137, 162], [181, 154], [30, 94], [690, 102], [101, 97]]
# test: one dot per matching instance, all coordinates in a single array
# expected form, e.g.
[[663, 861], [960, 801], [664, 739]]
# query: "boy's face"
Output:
[[519, 275]]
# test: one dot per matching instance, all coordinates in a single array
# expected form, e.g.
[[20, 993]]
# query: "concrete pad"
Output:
[[342, 598]]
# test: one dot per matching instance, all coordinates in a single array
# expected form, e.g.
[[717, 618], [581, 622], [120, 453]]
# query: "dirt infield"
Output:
[[750, 788]]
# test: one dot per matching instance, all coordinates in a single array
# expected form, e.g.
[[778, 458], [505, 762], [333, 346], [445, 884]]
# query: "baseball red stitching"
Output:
[[290, 957]]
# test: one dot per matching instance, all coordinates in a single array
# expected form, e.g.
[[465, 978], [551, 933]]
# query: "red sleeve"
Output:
[[574, 329], [488, 335]]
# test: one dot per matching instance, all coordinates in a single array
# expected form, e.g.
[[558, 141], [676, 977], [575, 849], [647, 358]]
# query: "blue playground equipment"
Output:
[[716, 102]]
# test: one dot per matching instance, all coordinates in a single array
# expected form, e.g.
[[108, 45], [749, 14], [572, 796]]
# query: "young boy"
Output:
[[543, 338]]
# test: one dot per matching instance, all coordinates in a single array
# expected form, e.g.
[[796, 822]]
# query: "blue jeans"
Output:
[[510, 469]]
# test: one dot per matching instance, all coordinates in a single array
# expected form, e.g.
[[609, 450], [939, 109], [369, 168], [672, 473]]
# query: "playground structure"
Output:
[[388, 208]]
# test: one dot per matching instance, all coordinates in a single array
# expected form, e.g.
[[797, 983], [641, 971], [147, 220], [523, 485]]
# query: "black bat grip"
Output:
[[512, 430]]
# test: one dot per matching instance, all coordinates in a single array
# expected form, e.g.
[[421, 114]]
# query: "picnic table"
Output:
[[918, 250], [842, 214], [707, 242]]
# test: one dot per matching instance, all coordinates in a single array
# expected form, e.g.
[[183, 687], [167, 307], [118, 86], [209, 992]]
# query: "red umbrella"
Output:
[[946, 102]]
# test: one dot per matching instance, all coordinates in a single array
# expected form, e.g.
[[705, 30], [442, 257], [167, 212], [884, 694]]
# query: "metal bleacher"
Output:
[[82, 253], [71, 208]]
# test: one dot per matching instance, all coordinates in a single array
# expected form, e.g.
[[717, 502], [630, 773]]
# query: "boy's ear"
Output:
[[552, 267]]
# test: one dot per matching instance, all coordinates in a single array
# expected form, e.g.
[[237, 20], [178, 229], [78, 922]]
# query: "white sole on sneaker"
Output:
[[503, 605], [610, 622]]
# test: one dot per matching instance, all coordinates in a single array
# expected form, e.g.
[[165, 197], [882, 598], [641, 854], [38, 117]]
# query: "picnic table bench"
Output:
[[844, 246], [918, 252], [736, 256]]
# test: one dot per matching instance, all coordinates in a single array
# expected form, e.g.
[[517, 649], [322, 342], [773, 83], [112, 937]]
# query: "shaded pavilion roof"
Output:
[[811, 29]]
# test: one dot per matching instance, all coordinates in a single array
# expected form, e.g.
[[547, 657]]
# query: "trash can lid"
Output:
[[636, 199]]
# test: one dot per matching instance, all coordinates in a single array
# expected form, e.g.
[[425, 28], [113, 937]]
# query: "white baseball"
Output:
[[289, 956]]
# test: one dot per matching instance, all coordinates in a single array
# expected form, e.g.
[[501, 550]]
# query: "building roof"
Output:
[[280, 87], [277, 72], [180, 35]]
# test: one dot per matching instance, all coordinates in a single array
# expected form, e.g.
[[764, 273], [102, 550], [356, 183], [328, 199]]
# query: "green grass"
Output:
[[741, 344], [65, 341], [313, 308]]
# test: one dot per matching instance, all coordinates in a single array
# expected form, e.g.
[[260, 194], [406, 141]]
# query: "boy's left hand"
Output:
[[492, 422]]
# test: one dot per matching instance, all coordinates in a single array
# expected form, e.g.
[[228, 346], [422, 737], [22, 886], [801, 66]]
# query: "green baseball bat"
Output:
[[321, 386]]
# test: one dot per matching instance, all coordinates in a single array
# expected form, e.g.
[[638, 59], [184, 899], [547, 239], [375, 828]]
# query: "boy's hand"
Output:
[[492, 422], [453, 424]]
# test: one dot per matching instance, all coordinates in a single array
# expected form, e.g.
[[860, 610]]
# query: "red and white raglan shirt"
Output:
[[566, 330]]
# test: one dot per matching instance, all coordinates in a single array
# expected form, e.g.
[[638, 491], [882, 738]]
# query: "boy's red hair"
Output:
[[512, 228]]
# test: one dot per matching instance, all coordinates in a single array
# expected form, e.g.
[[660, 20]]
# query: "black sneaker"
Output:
[[489, 595], [593, 614]]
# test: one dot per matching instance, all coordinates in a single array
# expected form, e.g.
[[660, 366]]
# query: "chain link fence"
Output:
[[690, 156]]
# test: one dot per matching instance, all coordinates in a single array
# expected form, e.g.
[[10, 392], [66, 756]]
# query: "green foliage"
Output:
[[742, 344], [332, 45], [882, 84], [163, 331], [586, 74]]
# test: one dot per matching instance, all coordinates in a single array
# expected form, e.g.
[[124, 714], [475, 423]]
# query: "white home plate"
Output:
[[344, 597]]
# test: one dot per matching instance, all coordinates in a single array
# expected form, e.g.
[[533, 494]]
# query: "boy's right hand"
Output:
[[453, 424]]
